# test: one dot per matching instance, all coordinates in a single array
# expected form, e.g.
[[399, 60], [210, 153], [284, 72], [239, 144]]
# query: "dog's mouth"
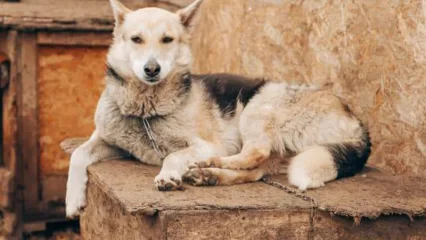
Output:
[[152, 80]]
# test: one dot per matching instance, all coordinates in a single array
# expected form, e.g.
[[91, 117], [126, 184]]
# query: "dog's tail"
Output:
[[322, 163]]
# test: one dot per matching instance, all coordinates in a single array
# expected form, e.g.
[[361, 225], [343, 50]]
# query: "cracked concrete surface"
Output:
[[123, 204]]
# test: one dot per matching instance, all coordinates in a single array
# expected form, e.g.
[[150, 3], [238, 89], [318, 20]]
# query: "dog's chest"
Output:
[[169, 135]]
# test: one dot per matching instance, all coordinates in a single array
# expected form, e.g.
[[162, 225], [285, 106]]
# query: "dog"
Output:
[[213, 129]]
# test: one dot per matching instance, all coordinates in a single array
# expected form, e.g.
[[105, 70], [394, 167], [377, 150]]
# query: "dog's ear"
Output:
[[119, 11], [188, 13]]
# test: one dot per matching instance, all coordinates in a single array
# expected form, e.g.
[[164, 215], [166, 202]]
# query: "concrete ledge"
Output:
[[369, 195], [122, 204]]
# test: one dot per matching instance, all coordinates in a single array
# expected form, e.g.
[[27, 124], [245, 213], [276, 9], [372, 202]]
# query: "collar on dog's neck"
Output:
[[186, 79], [151, 138], [110, 72]]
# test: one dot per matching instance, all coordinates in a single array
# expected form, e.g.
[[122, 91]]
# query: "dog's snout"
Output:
[[152, 68]]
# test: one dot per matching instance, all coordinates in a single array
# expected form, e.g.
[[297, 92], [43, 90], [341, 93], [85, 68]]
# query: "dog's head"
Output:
[[151, 44]]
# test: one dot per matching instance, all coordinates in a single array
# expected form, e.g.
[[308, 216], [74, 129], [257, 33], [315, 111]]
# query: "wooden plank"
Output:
[[9, 108], [29, 121], [54, 187], [80, 71], [4, 70], [4, 76], [52, 205], [75, 38], [8, 226], [4, 80], [69, 15], [6, 188], [10, 145]]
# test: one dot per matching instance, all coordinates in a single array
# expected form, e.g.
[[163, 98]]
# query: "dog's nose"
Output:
[[152, 68]]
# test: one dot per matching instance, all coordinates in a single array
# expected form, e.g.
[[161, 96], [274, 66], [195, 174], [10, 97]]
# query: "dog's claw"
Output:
[[168, 181], [209, 163], [201, 177], [192, 166]]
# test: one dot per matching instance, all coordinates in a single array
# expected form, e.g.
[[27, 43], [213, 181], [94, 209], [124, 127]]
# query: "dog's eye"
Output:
[[136, 39], [167, 39]]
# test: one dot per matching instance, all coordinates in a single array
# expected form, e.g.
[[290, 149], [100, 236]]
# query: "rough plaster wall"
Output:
[[70, 81], [372, 52]]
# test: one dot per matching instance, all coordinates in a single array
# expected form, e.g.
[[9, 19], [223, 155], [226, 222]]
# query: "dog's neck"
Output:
[[138, 99]]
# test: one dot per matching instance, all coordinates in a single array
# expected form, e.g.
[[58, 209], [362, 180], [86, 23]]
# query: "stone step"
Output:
[[123, 204]]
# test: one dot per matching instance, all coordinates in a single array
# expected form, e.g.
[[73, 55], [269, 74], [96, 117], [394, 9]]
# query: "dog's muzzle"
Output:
[[152, 70]]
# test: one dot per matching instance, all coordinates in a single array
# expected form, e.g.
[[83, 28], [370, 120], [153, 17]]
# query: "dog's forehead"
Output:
[[155, 19]]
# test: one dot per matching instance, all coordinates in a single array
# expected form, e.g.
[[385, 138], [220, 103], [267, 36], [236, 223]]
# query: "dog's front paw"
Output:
[[201, 177], [168, 181], [75, 201]]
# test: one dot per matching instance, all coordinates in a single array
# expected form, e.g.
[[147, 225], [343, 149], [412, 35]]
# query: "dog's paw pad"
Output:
[[201, 177], [168, 181]]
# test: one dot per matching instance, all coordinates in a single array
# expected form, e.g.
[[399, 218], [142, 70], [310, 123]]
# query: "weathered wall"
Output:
[[70, 81], [373, 52]]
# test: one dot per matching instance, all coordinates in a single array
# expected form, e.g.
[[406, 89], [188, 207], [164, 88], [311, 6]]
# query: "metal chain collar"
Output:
[[151, 138]]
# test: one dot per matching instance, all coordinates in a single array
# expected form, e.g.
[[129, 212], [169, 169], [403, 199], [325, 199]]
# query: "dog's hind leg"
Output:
[[219, 176], [256, 127], [254, 153], [93, 150]]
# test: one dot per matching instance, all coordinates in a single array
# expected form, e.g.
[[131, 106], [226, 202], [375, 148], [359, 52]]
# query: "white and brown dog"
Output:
[[216, 129]]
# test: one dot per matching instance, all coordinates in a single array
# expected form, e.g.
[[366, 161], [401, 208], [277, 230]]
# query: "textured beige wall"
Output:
[[372, 52]]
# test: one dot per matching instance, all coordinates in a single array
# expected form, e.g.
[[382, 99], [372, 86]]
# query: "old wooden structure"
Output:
[[52, 64]]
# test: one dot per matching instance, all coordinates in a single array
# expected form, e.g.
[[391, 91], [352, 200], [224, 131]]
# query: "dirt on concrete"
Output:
[[130, 183], [123, 204], [369, 194]]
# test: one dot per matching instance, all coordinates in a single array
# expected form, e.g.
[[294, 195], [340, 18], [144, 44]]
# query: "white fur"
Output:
[[92, 151], [77, 178], [312, 168]]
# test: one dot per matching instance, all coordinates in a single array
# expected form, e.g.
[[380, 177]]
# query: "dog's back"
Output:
[[228, 89]]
